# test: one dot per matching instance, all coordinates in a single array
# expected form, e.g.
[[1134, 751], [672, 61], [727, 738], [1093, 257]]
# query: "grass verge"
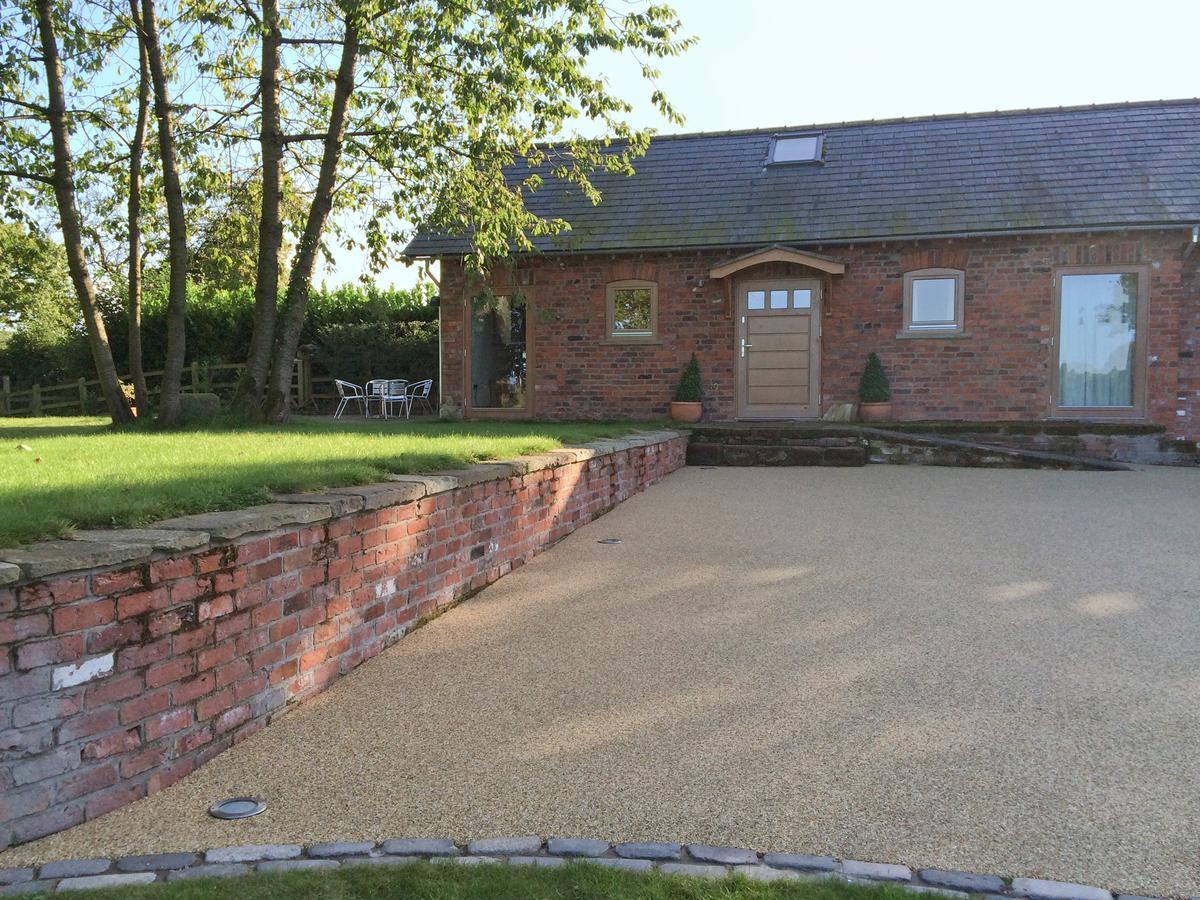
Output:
[[438, 881], [62, 473]]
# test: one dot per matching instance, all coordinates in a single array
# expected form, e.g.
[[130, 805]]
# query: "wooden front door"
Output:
[[779, 349]]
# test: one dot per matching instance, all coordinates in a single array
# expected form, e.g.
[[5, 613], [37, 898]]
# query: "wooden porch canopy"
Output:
[[778, 253]]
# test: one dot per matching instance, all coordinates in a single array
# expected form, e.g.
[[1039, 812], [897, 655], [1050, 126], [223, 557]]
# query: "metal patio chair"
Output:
[[375, 389], [418, 392], [395, 391], [349, 392]]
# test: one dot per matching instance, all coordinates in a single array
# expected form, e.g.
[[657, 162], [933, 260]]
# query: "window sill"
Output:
[[932, 334], [633, 342]]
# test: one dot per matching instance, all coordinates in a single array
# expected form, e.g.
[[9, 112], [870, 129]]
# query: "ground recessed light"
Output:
[[609, 541], [237, 808], [707, 468]]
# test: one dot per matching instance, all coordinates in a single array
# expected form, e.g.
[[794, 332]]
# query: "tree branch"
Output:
[[13, 173], [24, 105]]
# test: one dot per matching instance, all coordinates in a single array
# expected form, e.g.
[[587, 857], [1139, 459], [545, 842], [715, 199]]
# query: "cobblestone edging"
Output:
[[699, 860]]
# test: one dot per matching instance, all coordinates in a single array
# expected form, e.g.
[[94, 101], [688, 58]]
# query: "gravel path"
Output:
[[985, 670]]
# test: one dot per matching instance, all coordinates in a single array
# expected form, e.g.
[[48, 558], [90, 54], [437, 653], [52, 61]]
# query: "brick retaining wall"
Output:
[[118, 680]]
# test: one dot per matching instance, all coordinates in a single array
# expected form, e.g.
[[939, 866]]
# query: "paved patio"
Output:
[[986, 670]]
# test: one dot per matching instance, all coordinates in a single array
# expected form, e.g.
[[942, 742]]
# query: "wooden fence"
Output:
[[83, 397]]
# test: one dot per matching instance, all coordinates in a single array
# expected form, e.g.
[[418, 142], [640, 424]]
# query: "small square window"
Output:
[[779, 299], [632, 311], [933, 301], [802, 298], [796, 148], [756, 299]]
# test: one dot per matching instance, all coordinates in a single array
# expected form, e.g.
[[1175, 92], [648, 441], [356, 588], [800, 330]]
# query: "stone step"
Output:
[[778, 435], [701, 453]]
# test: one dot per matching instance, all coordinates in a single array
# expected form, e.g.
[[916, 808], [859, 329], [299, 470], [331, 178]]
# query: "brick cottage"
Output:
[[1032, 265]]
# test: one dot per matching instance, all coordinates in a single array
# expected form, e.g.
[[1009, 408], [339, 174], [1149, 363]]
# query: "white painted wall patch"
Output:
[[88, 670]]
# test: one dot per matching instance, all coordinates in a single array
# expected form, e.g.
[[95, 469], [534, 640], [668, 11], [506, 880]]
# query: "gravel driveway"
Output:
[[989, 670]]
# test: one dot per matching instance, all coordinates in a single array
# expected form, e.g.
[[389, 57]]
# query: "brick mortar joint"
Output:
[[671, 858]]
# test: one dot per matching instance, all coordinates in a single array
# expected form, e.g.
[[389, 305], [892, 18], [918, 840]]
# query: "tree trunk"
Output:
[[68, 213], [287, 341], [168, 412], [137, 375], [270, 225]]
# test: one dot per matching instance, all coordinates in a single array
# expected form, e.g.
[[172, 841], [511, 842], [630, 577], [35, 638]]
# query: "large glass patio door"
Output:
[[1100, 367], [499, 355]]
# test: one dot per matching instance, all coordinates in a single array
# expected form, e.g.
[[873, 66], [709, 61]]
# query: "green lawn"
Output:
[[439, 881], [62, 473]]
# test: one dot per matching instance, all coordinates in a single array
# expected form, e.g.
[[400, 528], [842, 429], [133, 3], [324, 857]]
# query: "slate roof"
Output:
[[1130, 164]]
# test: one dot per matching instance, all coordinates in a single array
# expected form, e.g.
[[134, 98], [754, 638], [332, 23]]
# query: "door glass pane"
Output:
[[498, 354], [755, 299], [1097, 331], [933, 301], [802, 299], [779, 299]]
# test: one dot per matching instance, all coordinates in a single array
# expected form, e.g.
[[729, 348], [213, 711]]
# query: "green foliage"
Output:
[[690, 389], [84, 473], [360, 351], [578, 880], [874, 387], [40, 329], [219, 324]]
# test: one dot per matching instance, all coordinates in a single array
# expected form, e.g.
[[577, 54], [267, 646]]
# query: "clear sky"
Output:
[[764, 63]]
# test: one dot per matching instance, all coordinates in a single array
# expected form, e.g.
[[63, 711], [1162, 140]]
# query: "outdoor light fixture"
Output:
[[609, 541], [237, 808]]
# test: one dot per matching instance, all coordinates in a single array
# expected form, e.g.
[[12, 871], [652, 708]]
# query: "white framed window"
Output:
[[933, 302]]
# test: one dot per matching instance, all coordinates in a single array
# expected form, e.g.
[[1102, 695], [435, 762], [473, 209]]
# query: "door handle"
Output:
[[744, 346]]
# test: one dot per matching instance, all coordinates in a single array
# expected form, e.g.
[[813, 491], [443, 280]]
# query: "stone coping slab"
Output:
[[237, 522], [102, 548], [694, 860], [52, 557], [155, 538]]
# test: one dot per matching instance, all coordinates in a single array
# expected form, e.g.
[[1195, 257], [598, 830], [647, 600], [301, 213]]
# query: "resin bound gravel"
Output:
[[989, 671]]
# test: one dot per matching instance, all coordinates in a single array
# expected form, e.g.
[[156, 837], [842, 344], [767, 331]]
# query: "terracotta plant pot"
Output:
[[686, 412], [875, 412]]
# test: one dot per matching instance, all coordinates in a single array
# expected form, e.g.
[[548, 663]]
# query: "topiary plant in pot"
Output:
[[687, 406], [874, 392]]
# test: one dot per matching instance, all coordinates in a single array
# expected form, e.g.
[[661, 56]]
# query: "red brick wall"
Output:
[[1001, 370], [210, 644]]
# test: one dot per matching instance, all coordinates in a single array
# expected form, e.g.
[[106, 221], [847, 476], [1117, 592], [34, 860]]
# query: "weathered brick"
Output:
[[79, 616], [19, 628], [170, 569], [169, 670], [44, 709], [167, 723], [146, 705], [109, 583], [87, 781], [33, 827], [87, 724], [132, 605], [122, 742], [214, 704], [33, 654]]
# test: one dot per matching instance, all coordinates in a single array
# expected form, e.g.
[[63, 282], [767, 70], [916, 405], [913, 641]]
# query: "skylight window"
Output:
[[796, 148]]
